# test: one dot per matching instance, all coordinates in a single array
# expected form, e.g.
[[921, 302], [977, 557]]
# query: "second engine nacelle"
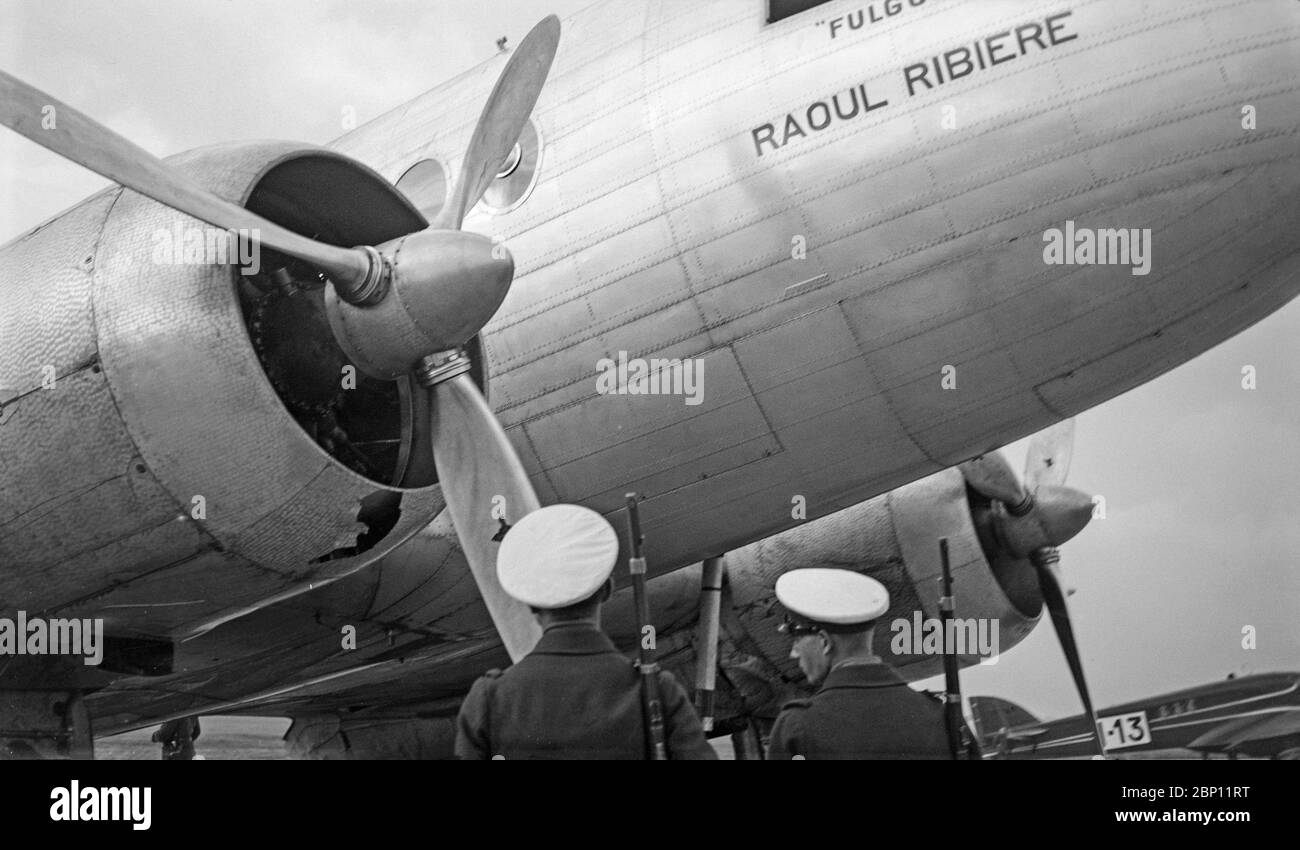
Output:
[[894, 538]]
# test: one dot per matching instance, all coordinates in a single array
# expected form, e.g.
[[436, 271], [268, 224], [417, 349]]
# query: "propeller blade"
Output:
[[88, 143], [477, 468], [1047, 563], [502, 120], [415, 464], [992, 476], [1048, 460]]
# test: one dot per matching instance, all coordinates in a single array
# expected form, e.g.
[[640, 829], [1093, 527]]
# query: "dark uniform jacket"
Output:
[[861, 711], [575, 696], [178, 737]]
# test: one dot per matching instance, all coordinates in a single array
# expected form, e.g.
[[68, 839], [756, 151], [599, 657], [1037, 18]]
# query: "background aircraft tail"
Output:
[[993, 713]]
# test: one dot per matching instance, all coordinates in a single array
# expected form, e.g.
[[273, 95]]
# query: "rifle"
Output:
[[651, 701], [959, 740]]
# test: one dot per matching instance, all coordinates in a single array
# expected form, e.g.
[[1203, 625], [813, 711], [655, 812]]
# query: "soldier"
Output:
[[177, 738], [863, 708], [575, 695]]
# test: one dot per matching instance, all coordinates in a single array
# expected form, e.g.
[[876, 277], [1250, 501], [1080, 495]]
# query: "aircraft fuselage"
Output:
[[840, 227], [843, 225]]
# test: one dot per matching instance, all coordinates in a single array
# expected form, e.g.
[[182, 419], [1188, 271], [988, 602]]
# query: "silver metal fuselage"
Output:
[[674, 193], [838, 217]]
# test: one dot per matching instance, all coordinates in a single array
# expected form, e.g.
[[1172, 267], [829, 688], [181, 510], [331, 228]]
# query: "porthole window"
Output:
[[425, 184], [512, 162], [518, 173]]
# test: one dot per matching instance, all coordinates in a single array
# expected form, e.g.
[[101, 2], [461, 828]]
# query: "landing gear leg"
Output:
[[706, 675], [44, 725]]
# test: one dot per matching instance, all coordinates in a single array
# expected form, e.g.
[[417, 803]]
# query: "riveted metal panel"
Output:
[[660, 447], [45, 283], [813, 384], [165, 593], [100, 492]]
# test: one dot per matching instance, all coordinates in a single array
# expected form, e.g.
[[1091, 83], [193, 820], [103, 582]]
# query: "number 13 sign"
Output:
[[1124, 730]]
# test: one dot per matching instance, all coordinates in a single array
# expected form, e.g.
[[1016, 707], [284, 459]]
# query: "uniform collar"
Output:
[[862, 676], [573, 639]]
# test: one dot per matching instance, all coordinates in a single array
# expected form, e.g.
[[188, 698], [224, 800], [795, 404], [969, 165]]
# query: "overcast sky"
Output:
[[1199, 475]]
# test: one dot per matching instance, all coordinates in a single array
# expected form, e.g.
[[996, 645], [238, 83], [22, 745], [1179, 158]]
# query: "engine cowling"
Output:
[[894, 538], [189, 453]]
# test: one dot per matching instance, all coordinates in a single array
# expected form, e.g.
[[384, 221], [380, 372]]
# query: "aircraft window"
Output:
[[780, 9], [512, 162], [425, 184], [518, 174]]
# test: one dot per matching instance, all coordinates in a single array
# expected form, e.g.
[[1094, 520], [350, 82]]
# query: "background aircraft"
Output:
[[250, 623], [1255, 716]]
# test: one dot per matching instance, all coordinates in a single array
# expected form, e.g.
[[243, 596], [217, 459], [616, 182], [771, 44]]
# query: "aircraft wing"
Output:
[[407, 635], [1266, 733], [1025, 736]]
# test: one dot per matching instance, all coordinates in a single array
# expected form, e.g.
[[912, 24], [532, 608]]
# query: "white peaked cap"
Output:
[[556, 556], [831, 596]]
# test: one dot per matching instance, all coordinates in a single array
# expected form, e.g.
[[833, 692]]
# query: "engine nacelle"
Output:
[[178, 434], [894, 538]]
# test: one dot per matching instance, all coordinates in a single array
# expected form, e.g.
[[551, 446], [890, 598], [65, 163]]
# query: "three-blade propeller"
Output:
[[398, 322], [481, 475], [1041, 514]]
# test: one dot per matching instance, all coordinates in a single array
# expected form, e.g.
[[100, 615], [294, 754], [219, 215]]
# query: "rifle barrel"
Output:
[[952, 683], [651, 699]]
